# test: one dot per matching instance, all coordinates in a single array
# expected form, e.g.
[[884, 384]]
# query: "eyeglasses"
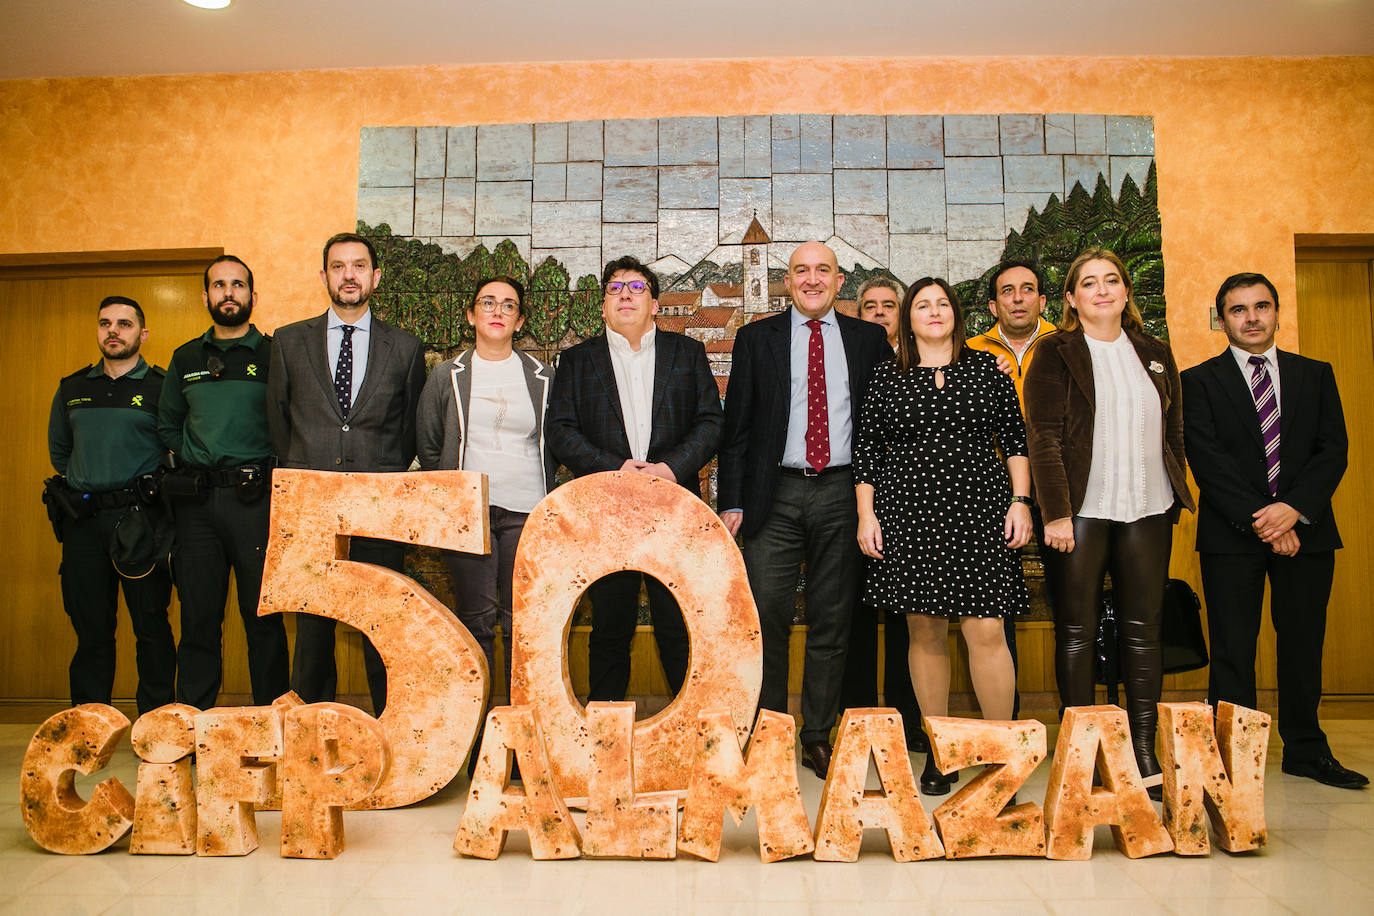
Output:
[[635, 286], [490, 306]]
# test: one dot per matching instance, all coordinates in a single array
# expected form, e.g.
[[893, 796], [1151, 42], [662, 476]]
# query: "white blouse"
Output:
[[501, 434], [1127, 480]]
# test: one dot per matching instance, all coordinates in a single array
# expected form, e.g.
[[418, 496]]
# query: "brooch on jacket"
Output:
[[1156, 367]]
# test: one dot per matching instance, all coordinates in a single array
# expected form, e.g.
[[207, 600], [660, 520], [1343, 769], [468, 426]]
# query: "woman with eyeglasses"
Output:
[[484, 411], [1104, 416]]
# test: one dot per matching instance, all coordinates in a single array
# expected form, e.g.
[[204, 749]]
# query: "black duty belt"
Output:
[[114, 499], [231, 476], [811, 472]]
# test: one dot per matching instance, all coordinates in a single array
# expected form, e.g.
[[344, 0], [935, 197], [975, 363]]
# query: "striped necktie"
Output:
[[1262, 387]]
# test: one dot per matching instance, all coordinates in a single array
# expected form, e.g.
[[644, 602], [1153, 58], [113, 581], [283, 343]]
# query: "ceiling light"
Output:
[[210, 4]]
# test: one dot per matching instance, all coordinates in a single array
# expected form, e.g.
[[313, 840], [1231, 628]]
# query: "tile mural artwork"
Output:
[[716, 206]]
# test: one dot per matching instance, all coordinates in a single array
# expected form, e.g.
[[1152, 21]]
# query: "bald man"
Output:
[[785, 481]]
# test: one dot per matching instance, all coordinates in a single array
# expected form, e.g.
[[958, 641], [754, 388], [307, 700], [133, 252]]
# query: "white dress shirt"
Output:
[[501, 434], [1271, 358], [634, 379], [837, 395], [333, 340]]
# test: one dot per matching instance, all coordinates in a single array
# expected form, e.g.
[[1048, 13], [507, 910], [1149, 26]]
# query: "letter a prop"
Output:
[[79, 740], [1089, 737], [495, 808], [847, 808]]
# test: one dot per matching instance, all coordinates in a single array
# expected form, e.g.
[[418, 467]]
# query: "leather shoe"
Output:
[[816, 757], [917, 742], [1327, 771], [933, 782]]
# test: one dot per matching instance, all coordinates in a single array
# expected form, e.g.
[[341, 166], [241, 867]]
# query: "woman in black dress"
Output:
[[939, 515]]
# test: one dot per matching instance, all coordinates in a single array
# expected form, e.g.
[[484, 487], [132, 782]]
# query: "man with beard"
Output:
[[213, 418], [102, 437], [342, 396]]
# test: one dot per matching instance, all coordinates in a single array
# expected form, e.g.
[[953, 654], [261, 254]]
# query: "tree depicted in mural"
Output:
[[1128, 225]]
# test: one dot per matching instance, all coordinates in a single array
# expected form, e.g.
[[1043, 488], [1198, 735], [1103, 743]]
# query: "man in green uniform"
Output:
[[102, 437], [213, 417]]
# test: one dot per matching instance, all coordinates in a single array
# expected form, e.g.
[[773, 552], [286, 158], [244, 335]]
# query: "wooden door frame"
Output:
[[132, 263]]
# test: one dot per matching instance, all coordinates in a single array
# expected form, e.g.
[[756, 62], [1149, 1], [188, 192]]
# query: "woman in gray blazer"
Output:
[[484, 411]]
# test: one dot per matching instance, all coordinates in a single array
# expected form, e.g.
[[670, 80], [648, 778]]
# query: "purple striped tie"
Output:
[[1262, 387]]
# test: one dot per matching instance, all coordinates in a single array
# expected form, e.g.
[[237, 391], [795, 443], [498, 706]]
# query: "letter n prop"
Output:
[[724, 779], [230, 781], [495, 808], [1098, 737], [78, 740], [332, 755], [619, 823], [165, 807], [436, 673], [1227, 783], [847, 808], [972, 823], [609, 522]]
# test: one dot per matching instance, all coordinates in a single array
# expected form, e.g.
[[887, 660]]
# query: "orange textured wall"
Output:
[[1250, 151]]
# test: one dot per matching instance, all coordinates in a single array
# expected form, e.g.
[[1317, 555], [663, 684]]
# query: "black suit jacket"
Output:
[[308, 429], [758, 402], [1226, 451], [585, 428]]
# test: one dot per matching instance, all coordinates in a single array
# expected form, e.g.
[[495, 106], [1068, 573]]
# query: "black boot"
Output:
[[933, 782]]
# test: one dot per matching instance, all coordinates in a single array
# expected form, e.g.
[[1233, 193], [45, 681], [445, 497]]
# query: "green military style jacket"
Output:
[[102, 431], [214, 400]]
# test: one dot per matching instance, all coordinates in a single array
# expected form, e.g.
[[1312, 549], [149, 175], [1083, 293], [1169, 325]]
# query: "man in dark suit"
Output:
[[341, 396], [795, 387], [634, 399], [1266, 440]]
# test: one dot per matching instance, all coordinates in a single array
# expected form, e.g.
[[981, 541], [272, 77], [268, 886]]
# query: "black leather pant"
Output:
[[1137, 556]]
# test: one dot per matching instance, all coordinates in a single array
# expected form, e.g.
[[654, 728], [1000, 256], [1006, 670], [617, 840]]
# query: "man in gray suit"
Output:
[[341, 396]]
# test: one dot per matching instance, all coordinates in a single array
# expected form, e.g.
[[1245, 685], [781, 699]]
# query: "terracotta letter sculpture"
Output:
[[332, 755], [724, 779], [495, 808], [165, 806], [1226, 783], [229, 780], [847, 808], [1098, 737], [284, 703], [79, 740], [436, 673], [613, 521], [972, 823], [619, 823]]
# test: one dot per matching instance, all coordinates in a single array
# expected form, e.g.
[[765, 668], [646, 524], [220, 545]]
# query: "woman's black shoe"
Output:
[[933, 782]]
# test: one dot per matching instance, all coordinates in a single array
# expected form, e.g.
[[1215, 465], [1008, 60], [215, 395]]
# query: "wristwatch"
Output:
[[1023, 499]]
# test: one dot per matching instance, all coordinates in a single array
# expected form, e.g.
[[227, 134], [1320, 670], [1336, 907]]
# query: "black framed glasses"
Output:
[[635, 286]]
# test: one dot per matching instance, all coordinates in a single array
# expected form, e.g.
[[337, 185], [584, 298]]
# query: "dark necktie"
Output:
[[817, 410], [1262, 387], [343, 370]]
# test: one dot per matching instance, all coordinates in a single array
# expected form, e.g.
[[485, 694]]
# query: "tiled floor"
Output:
[[1320, 860]]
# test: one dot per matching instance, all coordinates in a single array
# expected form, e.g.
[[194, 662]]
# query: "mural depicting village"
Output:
[[716, 205]]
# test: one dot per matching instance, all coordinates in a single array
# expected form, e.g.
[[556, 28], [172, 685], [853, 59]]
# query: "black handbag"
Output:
[[1182, 644]]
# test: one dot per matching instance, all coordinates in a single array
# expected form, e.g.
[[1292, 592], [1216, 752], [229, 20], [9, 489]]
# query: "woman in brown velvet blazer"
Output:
[[1110, 482]]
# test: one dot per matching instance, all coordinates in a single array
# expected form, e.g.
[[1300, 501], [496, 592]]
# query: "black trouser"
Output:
[[90, 595], [1137, 556], [615, 613], [217, 531], [1299, 588], [813, 520], [482, 589], [314, 674]]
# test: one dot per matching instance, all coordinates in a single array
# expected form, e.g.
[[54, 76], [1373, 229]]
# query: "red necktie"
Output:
[[817, 411]]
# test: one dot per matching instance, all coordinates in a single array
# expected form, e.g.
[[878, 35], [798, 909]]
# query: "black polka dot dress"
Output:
[[941, 492]]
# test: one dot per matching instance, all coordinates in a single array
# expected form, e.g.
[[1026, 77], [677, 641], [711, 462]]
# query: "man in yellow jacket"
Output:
[[1017, 300]]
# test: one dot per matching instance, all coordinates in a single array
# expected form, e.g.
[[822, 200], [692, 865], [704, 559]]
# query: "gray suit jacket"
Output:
[[441, 423], [308, 429]]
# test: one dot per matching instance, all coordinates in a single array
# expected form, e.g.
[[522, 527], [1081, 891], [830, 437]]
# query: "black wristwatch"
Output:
[[1023, 499]]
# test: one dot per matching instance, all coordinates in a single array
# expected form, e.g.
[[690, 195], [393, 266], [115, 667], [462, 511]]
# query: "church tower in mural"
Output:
[[756, 269]]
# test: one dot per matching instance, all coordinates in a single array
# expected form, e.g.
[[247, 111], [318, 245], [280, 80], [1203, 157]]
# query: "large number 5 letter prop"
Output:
[[436, 673], [619, 520]]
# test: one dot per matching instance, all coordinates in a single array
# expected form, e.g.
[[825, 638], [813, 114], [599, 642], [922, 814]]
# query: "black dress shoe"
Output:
[[933, 782], [917, 742], [1327, 771], [816, 757]]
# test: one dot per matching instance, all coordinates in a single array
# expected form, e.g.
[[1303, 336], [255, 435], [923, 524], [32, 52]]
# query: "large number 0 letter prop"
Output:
[[78, 740], [436, 673], [605, 523]]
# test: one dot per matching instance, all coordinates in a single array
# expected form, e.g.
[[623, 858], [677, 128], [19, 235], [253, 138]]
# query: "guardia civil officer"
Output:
[[213, 417], [102, 438]]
